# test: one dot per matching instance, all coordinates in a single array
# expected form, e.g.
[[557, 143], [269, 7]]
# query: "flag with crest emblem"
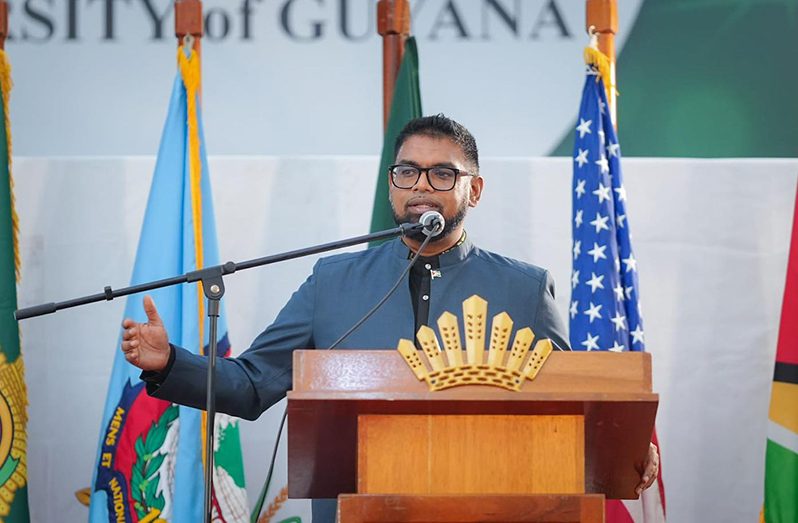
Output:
[[150, 456], [13, 393]]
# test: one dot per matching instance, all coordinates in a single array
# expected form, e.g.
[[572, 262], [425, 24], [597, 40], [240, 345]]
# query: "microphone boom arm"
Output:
[[215, 271]]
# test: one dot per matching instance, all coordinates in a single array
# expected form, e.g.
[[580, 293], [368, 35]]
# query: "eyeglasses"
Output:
[[405, 176]]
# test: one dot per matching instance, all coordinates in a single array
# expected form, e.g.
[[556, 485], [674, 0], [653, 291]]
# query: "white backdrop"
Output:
[[711, 239]]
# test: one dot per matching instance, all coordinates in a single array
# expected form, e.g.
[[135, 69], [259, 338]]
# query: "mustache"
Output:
[[423, 200]]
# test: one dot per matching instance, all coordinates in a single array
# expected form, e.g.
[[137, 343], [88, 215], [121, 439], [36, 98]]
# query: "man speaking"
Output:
[[436, 169]]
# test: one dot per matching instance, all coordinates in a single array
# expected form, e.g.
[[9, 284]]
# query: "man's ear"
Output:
[[477, 184], [390, 185]]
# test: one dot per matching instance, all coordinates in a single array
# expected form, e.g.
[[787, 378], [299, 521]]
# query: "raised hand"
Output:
[[146, 345]]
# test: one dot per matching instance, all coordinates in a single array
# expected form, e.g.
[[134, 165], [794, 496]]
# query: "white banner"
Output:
[[290, 77], [711, 238]]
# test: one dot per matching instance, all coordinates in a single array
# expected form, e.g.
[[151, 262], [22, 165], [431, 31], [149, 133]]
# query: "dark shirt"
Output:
[[422, 273], [426, 269]]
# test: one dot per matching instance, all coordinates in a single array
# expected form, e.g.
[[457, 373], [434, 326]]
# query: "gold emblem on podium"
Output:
[[447, 368]]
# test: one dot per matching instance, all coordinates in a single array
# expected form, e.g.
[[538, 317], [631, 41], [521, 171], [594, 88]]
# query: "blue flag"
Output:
[[150, 456], [605, 307]]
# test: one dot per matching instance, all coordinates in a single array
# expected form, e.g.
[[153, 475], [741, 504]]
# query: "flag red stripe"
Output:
[[787, 351], [615, 512], [660, 483]]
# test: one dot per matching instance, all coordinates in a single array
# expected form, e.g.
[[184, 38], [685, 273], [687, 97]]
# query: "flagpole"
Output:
[[188, 28], [602, 15], [601, 18], [188, 21], [3, 23], [393, 24]]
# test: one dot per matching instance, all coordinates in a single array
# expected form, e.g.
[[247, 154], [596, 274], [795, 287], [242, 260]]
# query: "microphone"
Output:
[[433, 223]]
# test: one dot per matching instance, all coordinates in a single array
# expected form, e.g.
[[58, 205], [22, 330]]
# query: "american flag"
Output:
[[605, 305], [605, 301]]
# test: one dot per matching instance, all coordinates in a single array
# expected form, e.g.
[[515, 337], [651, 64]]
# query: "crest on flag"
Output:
[[13, 434]]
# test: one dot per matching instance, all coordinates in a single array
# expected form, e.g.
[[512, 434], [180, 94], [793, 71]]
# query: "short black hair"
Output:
[[440, 126]]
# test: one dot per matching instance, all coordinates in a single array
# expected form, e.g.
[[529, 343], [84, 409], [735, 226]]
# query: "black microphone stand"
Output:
[[213, 287]]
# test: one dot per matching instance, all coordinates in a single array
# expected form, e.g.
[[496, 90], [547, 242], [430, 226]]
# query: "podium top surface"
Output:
[[383, 374]]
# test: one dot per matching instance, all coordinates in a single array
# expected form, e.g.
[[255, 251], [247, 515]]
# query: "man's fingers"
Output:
[[653, 465], [651, 474], [130, 344], [151, 311], [645, 482]]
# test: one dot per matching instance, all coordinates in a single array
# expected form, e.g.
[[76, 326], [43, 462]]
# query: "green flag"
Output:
[[677, 94], [405, 106], [13, 396]]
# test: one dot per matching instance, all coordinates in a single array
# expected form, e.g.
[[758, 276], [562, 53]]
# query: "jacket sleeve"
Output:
[[259, 377], [548, 323]]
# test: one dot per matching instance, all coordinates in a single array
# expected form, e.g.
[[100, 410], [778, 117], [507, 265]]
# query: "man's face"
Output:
[[409, 204]]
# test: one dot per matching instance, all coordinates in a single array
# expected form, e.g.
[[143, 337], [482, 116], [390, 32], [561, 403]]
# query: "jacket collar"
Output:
[[453, 256]]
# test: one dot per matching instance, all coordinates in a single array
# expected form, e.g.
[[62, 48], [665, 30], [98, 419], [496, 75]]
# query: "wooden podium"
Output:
[[364, 429]]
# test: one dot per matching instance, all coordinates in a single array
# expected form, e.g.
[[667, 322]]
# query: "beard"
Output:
[[451, 222]]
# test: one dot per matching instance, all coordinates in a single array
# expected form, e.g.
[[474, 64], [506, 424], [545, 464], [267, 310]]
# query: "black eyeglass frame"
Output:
[[425, 171]]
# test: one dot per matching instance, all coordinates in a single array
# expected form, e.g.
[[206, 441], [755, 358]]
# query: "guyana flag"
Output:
[[405, 106], [13, 396], [781, 462]]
